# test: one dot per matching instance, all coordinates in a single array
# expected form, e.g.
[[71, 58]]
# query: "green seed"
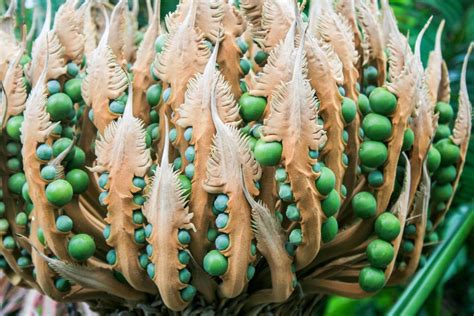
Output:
[[373, 154], [260, 57], [138, 199], [23, 262], [13, 165], [442, 192], [342, 91], [58, 106], [382, 101], [185, 184], [72, 69], [285, 193], [189, 171], [349, 110], [268, 154], [326, 181], [44, 152], [221, 220], [148, 230], [4, 225], [53, 86], [212, 234], [370, 74], [407, 246], [111, 257], [443, 131], [137, 217], [13, 127], [296, 237], [78, 179], [9, 242], [293, 213], [364, 105], [59, 192], [220, 203], [250, 272], [184, 257], [245, 66], [103, 179], [387, 226], [15, 182], [188, 293], [143, 260], [377, 127], [81, 247], [184, 236], [139, 236], [371, 279], [62, 285], [154, 117], [117, 107], [280, 175], [251, 107], [445, 111], [222, 242], [150, 270], [215, 263], [445, 174], [184, 276], [64, 223], [410, 230], [329, 229], [61, 145], [449, 152], [364, 205], [21, 219], [40, 236], [153, 95], [149, 250], [408, 139], [242, 45], [375, 178], [331, 203], [13, 148], [78, 159], [2, 208], [380, 253], [73, 89]]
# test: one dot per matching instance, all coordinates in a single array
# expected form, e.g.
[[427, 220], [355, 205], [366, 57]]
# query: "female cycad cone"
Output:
[[225, 158]]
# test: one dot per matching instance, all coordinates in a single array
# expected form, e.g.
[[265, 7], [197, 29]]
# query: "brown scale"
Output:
[[336, 31], [116, 34], [166, 211], [230, 53], [142, 77], [198, 100], [131, 31], [372, 43], [67, 28], [271, 240], [460, 137], [123, 144], [346, 283], [404, 87], [90, 29], [7, 38], [252, 11], [418, 217], [277, 16], [230, 157], [175, 70], [293, 121], [105, 81]]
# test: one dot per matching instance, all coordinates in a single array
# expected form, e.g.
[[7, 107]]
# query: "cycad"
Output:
[[257, 160]]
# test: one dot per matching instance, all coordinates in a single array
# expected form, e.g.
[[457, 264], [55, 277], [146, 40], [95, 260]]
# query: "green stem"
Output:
[[427, 278]]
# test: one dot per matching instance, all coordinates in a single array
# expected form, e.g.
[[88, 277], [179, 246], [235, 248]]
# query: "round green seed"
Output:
[[375, 178], [58, 106], [326, 181], [377, 127], [15, 182], [215, 263], [382, 101], [387, 226], [371, 279], [188, 293], [293, 213], [296, 237], [184, 276], [13, 127], [442, 192], [153, 95], [184, 236], [349, 110], [285, 193], [364, 205], [373, 154], [380, 253], [59, 192], [408, 139], [364, 104], [445, 174], [268, 153], [331, 203], [449, 152], [64, 223], [81, 247], [445, 111], [329, 229], [79, 180]]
